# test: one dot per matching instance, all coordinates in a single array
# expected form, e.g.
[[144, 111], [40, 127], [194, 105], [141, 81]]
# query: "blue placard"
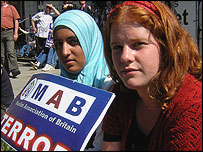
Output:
[[53, 113]]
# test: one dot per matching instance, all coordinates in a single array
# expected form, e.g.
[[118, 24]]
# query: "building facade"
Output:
[[188, 12]]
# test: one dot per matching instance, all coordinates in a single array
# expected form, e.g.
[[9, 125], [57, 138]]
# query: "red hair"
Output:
[[179, 52]]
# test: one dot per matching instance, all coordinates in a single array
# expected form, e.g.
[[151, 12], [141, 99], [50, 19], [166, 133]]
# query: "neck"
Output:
[[146, 102], [4, 5]]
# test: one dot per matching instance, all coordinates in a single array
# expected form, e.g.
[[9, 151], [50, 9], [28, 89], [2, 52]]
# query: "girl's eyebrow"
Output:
[[113, 43], [133, 40], [71, 37]]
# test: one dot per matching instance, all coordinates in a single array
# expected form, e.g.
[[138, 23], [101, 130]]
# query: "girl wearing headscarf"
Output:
[[90, 40], [79, 45]]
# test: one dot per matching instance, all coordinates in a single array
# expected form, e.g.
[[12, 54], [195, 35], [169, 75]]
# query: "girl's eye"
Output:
[[116, 48], [58, 45], [138, 45], [73, 42], [135, 46]]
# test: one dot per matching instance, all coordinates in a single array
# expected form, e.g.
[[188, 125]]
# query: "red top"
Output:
[[179, 129], [8, 15]]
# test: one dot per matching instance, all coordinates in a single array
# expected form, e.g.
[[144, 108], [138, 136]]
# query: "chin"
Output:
[[73, 71], [133, 85]]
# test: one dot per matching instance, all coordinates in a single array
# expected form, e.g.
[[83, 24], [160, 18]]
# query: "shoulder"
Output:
[[40, 13], [187, 104], [183, 120], [14, 12], [12, 7], [108, 82], [190, 91]]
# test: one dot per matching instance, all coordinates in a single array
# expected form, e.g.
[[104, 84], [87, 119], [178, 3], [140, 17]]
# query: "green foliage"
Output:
[[5, 147]]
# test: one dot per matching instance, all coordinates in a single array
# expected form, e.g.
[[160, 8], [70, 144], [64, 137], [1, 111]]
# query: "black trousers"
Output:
[[40, 45]]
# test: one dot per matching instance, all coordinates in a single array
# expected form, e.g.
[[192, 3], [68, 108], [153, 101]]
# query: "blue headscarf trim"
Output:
[[90, 38]]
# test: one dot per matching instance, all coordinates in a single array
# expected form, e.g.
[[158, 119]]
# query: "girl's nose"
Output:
[[66, 50], [127, 54]]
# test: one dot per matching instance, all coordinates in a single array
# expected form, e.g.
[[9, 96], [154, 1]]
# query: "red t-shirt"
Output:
[[8, 15]]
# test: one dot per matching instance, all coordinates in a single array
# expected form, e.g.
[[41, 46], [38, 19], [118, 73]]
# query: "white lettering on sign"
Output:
[[25, 136]]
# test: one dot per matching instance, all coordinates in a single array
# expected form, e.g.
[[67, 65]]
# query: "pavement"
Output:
[[21, 80]]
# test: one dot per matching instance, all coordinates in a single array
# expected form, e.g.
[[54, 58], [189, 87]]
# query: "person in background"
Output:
[[79, 46], [52, 60], [54, 10], [27, 48], [42, 57], [96, 13], [68, 5], [104, 14], [85, 7], [29, 33], [41, 24], [7, 94], [40, 62], [9, 34], [157, 71]]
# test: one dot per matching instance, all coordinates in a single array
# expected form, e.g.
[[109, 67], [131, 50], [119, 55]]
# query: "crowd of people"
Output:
[[41, 46], [137, 50]]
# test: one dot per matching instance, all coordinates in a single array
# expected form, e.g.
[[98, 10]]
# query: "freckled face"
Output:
[[135, 54], [69, 50]]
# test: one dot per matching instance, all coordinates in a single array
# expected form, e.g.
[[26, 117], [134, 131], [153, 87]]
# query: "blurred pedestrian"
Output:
[[9, 34], [26, 49], [52, 60], [96, 13], [85, 7], [41, 24], [68, 5], [104, 14], [56, 12], [42, 57]]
